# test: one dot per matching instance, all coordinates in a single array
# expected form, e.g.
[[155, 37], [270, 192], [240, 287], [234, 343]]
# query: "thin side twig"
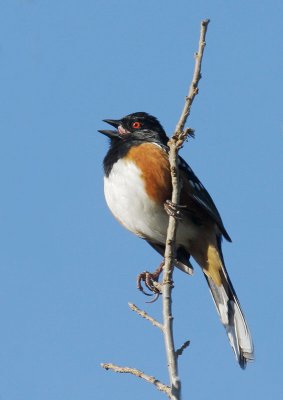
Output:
[[174, 144], [145, 315], [133, 371]]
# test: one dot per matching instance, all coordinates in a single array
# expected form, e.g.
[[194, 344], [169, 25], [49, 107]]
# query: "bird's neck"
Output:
[[119, 149]]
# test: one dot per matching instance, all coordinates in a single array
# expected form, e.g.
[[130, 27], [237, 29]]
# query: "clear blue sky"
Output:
[[67, 268]]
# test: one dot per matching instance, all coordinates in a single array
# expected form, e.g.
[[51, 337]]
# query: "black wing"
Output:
[[202, 197]]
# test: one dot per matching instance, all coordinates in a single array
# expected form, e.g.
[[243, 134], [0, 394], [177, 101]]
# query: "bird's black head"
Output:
[[138, 126]]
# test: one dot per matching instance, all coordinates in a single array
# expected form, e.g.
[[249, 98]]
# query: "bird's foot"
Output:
[[174, 210], [150, 280]]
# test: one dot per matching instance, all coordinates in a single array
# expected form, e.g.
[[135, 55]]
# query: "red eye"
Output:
[[136, 125]]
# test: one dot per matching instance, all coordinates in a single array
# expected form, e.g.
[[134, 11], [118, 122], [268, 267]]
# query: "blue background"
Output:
[[67, 268]]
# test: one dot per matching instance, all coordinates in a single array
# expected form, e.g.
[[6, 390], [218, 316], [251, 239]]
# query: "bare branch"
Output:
[[179, 352], [133, 371], [174, 144], [193, 90], [143, 314]]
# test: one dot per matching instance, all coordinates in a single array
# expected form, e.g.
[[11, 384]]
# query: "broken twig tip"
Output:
[[179, 352]]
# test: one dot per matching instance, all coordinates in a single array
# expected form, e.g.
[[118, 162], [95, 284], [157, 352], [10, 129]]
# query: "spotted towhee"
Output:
[[137, 185]]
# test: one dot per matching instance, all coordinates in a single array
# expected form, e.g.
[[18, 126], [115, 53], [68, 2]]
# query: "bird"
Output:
[[137, 187]]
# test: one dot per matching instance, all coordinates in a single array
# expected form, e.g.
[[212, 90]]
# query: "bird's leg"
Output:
[[174, 210], [150, 280]]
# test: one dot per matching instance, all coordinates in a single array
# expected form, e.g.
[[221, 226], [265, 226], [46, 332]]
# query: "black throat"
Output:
[[118, 149]]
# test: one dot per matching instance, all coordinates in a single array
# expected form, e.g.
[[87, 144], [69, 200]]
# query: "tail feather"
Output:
[[232, 317]]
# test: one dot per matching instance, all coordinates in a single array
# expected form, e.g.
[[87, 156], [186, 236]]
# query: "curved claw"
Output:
[[150, 281], [142, 277], [174, 210], [144, 292], [154, 299]]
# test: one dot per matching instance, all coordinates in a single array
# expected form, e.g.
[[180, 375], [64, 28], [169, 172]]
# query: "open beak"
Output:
[[109, 133]]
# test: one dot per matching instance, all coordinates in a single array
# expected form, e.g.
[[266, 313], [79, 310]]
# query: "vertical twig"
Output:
[[174, 144]]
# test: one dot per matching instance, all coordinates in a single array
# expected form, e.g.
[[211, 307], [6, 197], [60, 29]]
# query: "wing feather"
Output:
[[200, 196]]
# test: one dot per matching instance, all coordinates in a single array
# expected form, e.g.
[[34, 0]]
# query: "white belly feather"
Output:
[[125, 196]]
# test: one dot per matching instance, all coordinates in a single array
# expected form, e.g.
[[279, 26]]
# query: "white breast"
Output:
[[125, 195]]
